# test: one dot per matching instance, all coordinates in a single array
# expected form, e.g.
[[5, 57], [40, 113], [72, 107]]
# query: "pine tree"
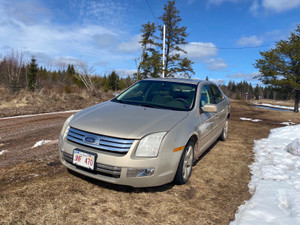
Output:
[[175, 37], [280, 66], [150, 62], [31, 75]]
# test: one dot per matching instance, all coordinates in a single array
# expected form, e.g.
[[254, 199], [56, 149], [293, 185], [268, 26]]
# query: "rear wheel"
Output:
[[224, 134], [184, 169]]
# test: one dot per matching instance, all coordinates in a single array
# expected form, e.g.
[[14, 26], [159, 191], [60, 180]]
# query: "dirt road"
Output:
[[36, 189]]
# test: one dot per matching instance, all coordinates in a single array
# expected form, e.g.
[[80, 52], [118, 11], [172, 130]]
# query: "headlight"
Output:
[[149, 145], [65, 126]]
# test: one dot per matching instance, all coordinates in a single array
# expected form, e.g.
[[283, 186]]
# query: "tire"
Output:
[[224, 133], [184, 169]]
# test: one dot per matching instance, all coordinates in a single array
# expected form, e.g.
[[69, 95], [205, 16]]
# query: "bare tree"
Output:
[[12, 70], [83, 73]]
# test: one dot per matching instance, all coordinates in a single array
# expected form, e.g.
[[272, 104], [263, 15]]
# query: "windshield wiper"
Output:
[[150, 106], [117, 100]]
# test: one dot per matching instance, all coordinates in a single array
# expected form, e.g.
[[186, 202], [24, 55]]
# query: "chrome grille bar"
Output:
[[101, 142]]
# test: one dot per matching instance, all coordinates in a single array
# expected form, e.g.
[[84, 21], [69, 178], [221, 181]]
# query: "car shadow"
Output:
[[122, 188], [204, 153]]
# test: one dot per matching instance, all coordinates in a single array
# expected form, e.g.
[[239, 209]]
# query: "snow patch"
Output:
[[42, 142], [250, 119], [2, 152], [276, 106], [287, 123], [275, 181]]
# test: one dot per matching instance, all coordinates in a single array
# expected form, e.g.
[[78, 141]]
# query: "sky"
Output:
[[225, 36]]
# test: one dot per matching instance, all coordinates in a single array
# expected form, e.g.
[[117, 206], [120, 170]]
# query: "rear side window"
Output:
[[210, 94], [216, 95]]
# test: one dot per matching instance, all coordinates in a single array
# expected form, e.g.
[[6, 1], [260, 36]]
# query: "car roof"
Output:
[[178, 80]]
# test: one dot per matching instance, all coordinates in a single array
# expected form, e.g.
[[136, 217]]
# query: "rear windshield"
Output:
[[160, 94]]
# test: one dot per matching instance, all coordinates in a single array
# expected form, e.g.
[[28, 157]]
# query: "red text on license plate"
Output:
[[84, 159]]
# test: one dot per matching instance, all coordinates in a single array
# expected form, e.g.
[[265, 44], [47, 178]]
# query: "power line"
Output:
[[151, 11]]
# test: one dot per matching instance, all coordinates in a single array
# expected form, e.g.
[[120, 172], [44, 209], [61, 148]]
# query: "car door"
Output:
[[218, 99], [205, 122]]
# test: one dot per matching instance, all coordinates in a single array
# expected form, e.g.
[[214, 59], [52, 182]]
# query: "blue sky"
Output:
[[223, 34]]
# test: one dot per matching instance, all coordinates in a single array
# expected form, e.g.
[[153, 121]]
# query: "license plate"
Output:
[[84, 159]]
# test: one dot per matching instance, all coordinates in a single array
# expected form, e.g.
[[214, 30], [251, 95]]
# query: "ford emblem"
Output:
[[89, 140]]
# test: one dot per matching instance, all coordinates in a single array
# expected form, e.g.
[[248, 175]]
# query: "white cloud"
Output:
[[190, 1], [219, 2], [273, 5], [34, 32], [250, 41], [280, 5], [244, 76], [200, 50], [216, 64], [258, 5], [132, 45], [205, 52], [107, 12], [254, 7]]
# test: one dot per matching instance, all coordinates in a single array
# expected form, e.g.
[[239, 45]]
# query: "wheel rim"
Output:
[[187, 163], [225, 131]]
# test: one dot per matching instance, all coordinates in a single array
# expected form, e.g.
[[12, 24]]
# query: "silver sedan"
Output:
[[149, 135]]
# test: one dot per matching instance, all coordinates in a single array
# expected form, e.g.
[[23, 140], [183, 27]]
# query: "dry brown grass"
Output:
[[41, 191], [47, 100]]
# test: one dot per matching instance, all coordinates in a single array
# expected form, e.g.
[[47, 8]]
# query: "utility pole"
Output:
[[164, 43]]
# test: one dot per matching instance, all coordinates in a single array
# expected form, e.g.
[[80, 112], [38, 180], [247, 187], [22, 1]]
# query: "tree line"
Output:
[[243, 89], [16, 75]]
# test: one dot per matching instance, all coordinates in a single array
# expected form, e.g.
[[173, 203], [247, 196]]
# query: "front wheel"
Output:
[[184, 169]]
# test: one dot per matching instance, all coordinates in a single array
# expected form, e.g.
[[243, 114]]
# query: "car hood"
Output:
[[126, 121]]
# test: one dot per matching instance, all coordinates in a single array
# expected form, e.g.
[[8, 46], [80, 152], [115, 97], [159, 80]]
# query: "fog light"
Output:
[[131, 172]]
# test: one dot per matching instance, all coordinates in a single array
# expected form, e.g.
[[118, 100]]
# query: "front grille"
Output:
[[106, 170], [105, 143]]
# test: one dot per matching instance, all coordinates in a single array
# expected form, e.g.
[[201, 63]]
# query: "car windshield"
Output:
[[160, 94]]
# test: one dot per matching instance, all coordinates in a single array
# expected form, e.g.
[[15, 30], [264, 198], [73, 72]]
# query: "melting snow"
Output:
[[276, 106], [2, 152], [250, 119], [275, 182], [42, 142], [288, 123]]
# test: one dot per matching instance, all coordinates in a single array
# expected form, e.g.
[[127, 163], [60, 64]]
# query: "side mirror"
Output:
[[209, 108]]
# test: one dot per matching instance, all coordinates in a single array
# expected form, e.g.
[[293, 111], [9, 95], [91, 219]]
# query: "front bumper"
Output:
[[123, 169]]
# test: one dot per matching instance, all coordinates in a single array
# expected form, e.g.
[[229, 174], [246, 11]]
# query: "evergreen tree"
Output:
[[280, 66], [112, 81], [175, 37], [150, 62], [256, 92], [31, 75]]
